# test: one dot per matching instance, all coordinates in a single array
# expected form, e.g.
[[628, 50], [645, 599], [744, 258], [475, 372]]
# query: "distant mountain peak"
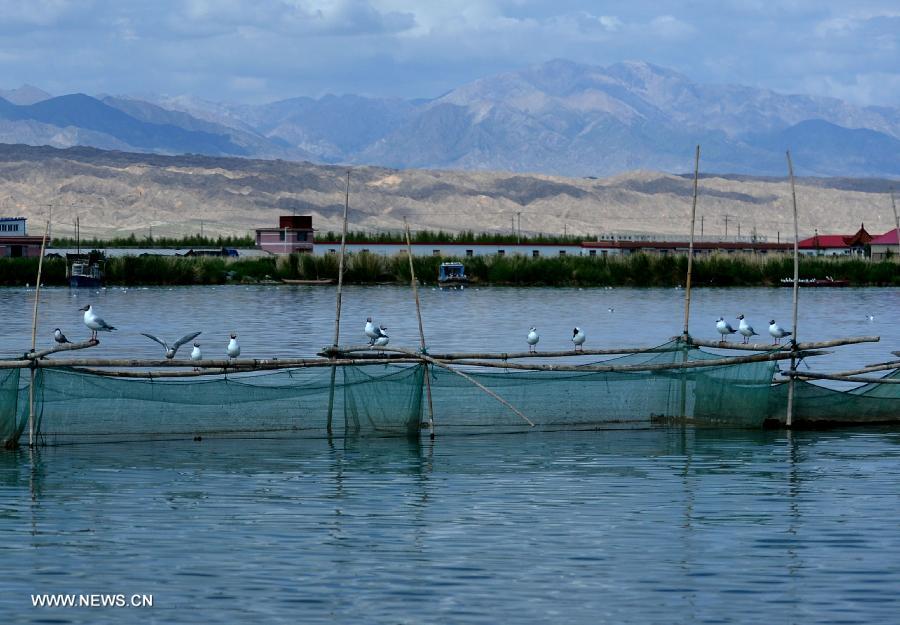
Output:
[[24, 95]]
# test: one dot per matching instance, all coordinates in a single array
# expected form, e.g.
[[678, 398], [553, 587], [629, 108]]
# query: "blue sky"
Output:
[[241, 51]]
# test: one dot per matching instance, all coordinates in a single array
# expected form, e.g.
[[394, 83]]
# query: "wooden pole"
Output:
[[896, 222], [762, 347], [839, 377], [337, 312], [415, 289], [790, 400], [687, 284], [750, 347], [34, 318]]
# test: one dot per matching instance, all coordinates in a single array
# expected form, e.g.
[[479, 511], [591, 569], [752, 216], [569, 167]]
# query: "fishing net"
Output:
[[814, 404], [391, 400]]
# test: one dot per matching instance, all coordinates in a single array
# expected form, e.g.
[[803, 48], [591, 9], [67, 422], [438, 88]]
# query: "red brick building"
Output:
[[14, 239], [293, 234]]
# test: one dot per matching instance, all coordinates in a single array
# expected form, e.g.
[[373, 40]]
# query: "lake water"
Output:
[[656, 525], [292, 321]]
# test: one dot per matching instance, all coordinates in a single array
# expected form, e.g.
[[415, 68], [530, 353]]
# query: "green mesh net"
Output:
[[815, 404], [390, 400]]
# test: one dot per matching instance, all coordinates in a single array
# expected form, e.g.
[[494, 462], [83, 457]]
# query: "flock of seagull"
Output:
[[378, 337], [746, 330]]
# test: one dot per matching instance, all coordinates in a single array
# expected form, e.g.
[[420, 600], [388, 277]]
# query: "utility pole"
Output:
[[739, 231], [519, 231], [726, 227], [701, 227]]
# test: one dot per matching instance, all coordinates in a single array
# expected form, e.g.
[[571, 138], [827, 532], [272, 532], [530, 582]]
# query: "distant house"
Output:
[[293, 234], [885, 245], [836, 244], [14, 239]]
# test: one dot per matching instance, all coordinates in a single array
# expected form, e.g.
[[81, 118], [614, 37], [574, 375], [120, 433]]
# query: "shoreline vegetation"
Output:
[[642, 270]]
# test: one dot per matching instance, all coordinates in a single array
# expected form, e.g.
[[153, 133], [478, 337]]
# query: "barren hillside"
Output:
[[117, 193]]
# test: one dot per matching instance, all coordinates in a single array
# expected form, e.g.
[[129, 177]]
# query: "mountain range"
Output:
[[120, 193], [559, 118]]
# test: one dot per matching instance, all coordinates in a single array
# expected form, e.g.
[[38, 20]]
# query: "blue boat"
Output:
[[452, 276], [84, 270]]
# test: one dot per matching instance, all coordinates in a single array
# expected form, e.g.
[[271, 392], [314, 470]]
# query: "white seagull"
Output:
[[233, 349], [746, 329], [170, 351], [383, 338], [532, 339], [724, 328], [373, 331], [94, 322], [59, 337], [777, 332], [578, 338], [195, 353]]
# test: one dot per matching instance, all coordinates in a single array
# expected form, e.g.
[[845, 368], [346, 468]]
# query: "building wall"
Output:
[[880, 252], [285, 240], [12, 227], [25, 250], [458, 250]]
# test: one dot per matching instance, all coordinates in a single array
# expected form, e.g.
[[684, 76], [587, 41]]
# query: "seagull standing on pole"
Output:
[[374, 332], [746, 329], [777, 332], [578, 338], [233, 350], [724, 328], [170, 351], [196, 355], [383, 338], [94, 322], [532, 339], [59, 337]]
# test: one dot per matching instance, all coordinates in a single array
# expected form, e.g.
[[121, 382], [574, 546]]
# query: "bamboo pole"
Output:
[[34, 319], [230, 364], [61, 348], [415, 289], [690, 263], [896, 222], [691, 364], [888, 366], [223, 371], [512, 355], [840, 378], [790, 398], [754, 347], [337, 312], [761, 347]]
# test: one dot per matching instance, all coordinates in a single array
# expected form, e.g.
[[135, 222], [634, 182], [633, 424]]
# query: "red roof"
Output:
[[824, 240], [888, 238]]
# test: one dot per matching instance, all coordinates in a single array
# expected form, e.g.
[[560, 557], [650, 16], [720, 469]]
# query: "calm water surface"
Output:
[[662, 525], [649, 526]]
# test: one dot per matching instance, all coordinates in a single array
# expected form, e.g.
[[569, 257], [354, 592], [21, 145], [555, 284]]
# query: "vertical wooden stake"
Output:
[[37, 297], [790, 401], [687, 284], [337, 312], [685, 336], [415, 288]]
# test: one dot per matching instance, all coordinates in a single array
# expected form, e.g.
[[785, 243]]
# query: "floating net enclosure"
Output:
[[379, 400]]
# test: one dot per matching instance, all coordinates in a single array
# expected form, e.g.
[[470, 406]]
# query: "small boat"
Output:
[[452, 276], [84, 270], [309, 282], [827, 281]]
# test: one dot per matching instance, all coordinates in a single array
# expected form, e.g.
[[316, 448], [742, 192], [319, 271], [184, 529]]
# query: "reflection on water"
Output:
[[667, 525]]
